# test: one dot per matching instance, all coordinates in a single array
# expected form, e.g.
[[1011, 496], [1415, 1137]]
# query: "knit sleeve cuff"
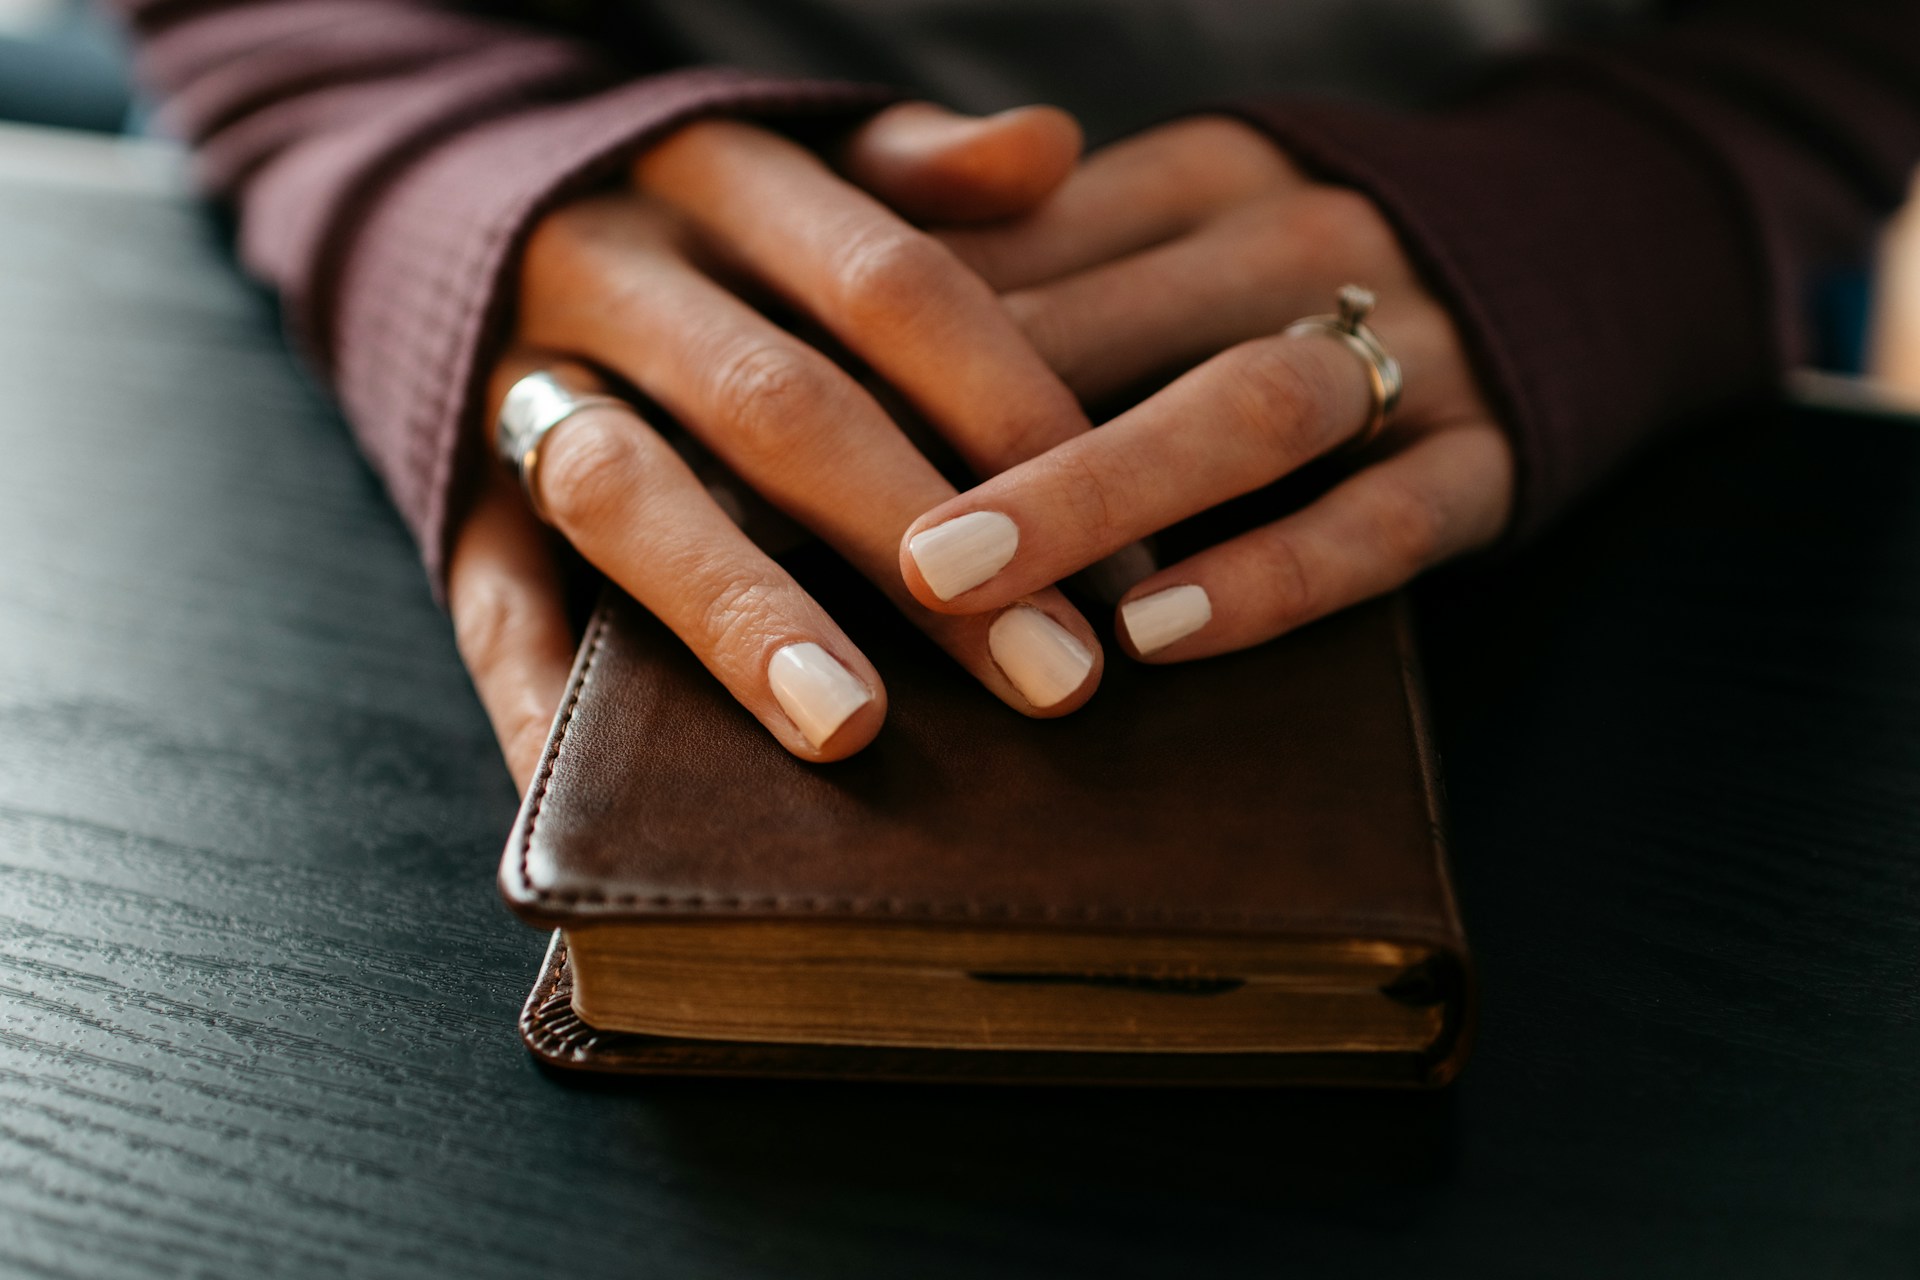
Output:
[[1604, 272], [419, 298]]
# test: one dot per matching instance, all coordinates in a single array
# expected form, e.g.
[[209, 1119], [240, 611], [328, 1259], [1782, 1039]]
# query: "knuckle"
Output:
[[771, 398], [1342, 224], [888, 276], [737, 611], [1278, 398], [561, 241], [1218, 153], [588, 468], [551, 242], [688, 143], [1089, 502], [1219, 140], [1295, 597]]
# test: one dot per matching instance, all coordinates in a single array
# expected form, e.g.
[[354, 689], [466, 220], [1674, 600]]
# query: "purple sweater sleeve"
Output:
[[386, 158], [1629, 234], [1626, 233]]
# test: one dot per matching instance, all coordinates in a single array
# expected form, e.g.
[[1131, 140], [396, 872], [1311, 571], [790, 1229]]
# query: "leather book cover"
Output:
[[1289, 791]]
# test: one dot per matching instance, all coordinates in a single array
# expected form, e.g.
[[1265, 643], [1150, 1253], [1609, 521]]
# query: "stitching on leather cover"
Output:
[[552, 761]]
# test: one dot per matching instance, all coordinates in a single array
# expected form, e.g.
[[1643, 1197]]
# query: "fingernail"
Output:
[[1041, 658], [960, 554], [1156, 621], [816, 692]]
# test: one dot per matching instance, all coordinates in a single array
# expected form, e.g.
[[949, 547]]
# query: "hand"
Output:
[[1190, 248], [656, 283]]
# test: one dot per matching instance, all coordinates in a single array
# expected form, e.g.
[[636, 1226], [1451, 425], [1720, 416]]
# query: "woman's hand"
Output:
[[658, 283], [1191, 248]]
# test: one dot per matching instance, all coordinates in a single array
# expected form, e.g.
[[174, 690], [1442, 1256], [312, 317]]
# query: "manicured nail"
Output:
[[960, 554], [816, 692], [1041, 658], [1156, 621]]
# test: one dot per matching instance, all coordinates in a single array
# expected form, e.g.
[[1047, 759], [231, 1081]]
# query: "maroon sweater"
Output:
[[1625, 232]]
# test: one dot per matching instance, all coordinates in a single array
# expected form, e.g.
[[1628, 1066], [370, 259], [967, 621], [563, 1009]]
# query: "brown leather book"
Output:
[[1228, 871]]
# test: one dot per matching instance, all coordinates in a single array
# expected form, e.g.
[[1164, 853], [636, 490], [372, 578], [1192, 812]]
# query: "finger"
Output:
[[509, 620], [934, 165], [628, 503], [929, 327], [1125, 198], [1444, 495], [795, 428], [1156, 313], [1238, 422]]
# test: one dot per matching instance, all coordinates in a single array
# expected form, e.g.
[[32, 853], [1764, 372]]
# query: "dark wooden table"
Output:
[[257, 995]]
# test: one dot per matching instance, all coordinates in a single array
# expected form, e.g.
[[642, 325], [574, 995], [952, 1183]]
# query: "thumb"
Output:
[[934, 165]]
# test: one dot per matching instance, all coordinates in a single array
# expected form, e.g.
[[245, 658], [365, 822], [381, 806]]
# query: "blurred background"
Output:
[[63, 65]]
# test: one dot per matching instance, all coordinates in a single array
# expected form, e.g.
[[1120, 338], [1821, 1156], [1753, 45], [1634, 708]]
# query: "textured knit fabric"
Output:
[[387, 159], [1629, 236], [1624, 232]]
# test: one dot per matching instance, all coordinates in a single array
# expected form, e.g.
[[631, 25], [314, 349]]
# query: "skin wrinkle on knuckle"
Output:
[[1087, 497], [773, 400], [1275, 396], [590, 468], [1292, 597], [739, 609], [883, 279]]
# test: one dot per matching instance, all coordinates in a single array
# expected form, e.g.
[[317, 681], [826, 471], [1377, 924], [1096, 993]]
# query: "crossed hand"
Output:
[[996, 283]]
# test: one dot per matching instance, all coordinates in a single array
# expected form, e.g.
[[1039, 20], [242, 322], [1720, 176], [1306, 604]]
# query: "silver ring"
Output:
[[533, 407], [1349, 325]]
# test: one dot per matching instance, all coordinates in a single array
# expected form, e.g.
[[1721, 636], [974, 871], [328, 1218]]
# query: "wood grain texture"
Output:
[[257, 997]]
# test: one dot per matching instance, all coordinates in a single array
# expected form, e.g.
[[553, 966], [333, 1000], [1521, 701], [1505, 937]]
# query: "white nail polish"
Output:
[[1039, 657], [1156, 621], [816, 692], [960, 554]]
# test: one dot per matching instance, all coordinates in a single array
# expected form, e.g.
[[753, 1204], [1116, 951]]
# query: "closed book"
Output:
[[1229, 871]]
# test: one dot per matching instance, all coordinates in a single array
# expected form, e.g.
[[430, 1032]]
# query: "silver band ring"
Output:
[[1349, 325], [533, 407]]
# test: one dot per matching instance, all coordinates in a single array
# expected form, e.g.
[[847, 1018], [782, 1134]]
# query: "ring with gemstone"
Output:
[[1349, 325]]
